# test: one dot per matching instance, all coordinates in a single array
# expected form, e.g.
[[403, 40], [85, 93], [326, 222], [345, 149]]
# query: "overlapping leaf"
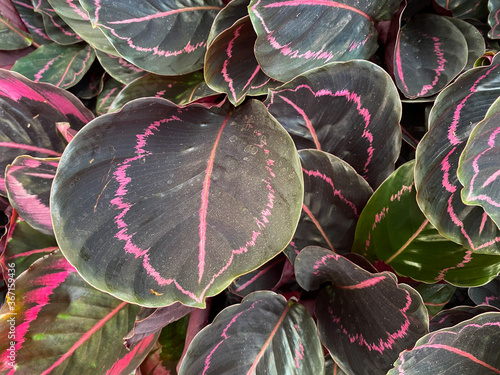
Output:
[[163, 37], [351, 110], [493, 20], [183, 89], [451, 317], [109, 92], [264, 334], [62, 66], [119, 68], [227, 199], [28, 181], [55, 27], [63, 324], [479, 166], [456, 111], [334, 196], [488, 294], [230, 66], [393, 229], [435, 296], [430, 52], [11, 37], [466, 346], [29, 115], [351, 33], [475, 41], [348, 308], [232, 12], [91, 84], [466, 8], [32, 20]]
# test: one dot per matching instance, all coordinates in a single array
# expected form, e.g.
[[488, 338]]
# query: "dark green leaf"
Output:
[[32, 20], [11, 37], [119, 68], [488, 294], [435, 296], [109, 92], [55, 27]]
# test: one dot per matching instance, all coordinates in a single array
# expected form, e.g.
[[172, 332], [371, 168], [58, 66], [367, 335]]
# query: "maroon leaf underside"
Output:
[[456, 111], [357, 344], [32, 110], [28, 181]]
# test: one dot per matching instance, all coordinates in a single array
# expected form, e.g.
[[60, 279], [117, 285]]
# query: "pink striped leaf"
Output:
[[357, 344], [479, 166], [451, 317], [226, 201], [28, 123], [165, 355], [435, 296], [351, 33], [62, 66], [230, 66], [91, 84], [456, 111], [232, 12], [466, 9], [493, 19], [63, 324], [488, 294], [334, 196], [32, 20], [392, 228], [28, 181], [264, 334], [266, 277], [9, 12], [72, 12], [109, 92], [337, 109], [177, 31], [430, 51], [466, 347], [25, 245], [55, 27], [119, 68], [149, 321], [181, 90], [13, 38]]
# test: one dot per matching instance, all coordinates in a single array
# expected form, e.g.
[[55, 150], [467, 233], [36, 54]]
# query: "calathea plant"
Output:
[[263, 187]]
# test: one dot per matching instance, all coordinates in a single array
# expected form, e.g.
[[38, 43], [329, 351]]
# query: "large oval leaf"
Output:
[[467, 347], [185, 199], [334, 196], [430, 52], [334, 31], [479, 165], [29, 112], [393, 229], [348, 308], [163, 37], [63, 66], [339, 109], [264, 334], [456, 111], [63, 324], [28, 181]]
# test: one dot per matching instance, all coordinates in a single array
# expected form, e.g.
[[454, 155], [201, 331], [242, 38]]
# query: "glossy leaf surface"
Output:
[[181, 90], [334, 196], [32, 20], [232, 12], [456, 111], [475, 41], [351, 110], [28, 181], [488, 294], [228, 199], [109, 92], [478, 168], [29, 115], [393, 229], [63, 324], [466, 8], [466, 346], [435, 296], [353, 300], [11, 37], [119, 68], [430, 52], [56, 28], [351, 33], [264, 334], [176, 36], [451, 317]]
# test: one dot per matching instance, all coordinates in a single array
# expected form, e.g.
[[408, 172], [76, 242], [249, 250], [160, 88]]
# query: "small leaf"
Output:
[[466, 347], [466, 8], [63, 66], [488, 294], [119, 68], [28, 182], [264, 334], [55, 27], [451, 317], [353, 300], [109, 92], [435, 296]]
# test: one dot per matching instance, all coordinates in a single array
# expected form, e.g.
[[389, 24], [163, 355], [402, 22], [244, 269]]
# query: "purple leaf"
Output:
[[336, 109], [232, 12], [28, 181], [32, 111], [264, 334], [228, 199], [347, 308], [351, 33], [456, 315]]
